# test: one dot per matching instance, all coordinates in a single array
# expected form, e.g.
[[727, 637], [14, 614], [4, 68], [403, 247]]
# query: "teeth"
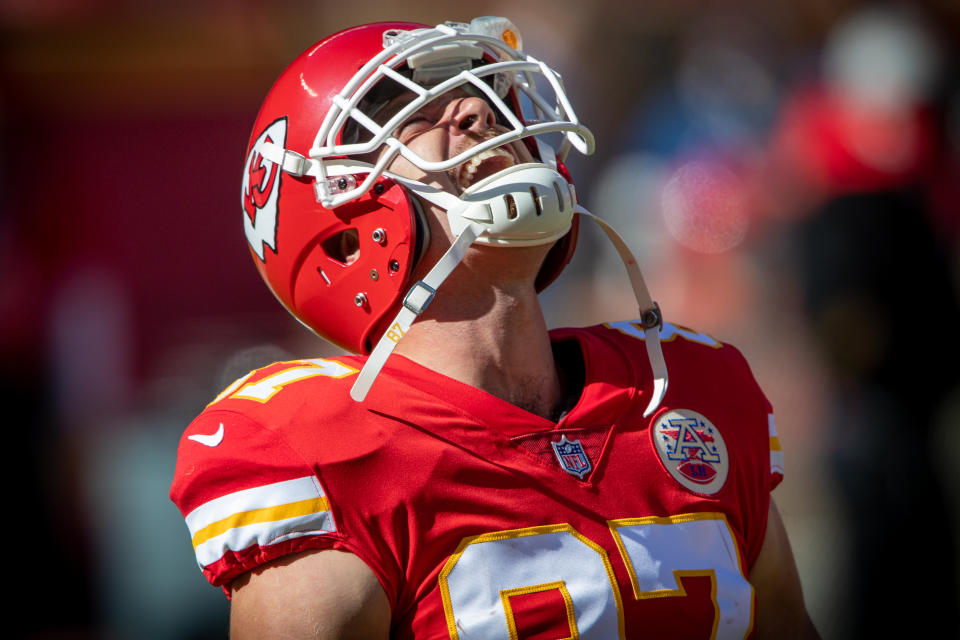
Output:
[[469, 168]]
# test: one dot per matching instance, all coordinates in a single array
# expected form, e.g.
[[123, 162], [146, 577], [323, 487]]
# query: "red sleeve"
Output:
[[247, 496]]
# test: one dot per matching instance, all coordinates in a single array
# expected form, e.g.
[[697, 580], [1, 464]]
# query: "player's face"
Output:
[[446, 127], [442, 129]]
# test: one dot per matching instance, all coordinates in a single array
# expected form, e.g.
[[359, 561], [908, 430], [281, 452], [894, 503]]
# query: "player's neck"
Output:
[[494, 339]]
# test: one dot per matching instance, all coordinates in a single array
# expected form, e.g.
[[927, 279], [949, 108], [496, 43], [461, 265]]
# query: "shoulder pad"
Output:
[[247, 497]]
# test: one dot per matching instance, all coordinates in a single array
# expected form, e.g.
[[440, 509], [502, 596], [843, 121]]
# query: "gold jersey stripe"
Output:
[[256, 516], [775, 444]]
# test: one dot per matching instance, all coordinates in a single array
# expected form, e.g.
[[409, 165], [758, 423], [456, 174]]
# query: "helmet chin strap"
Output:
[[417, 299], [504, 209], [483, 214], [650, 317]]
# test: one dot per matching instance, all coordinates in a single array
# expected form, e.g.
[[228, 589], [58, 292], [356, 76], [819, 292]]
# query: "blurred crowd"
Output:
[[788, 174]]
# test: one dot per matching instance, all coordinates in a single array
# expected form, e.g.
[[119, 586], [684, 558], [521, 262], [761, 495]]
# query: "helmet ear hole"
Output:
[[344, 247]]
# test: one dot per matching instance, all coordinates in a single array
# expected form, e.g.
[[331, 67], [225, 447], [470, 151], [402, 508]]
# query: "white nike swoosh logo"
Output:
[[211, 440]]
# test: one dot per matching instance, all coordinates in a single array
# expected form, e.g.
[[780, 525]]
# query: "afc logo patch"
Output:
[[691, 450], [261, 191]]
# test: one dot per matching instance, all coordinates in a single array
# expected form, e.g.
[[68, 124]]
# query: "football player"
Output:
[[474, 475]]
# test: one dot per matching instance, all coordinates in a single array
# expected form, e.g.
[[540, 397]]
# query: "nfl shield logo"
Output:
[[572, 457]]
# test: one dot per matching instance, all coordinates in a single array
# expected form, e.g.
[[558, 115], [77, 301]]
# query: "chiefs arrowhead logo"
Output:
[[691, 450], [261, 191]]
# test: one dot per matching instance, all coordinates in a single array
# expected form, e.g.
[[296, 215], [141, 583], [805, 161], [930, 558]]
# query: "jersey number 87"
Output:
[[497, 572]]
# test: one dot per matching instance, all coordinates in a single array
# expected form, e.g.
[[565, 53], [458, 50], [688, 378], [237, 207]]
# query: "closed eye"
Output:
[[410, 128], [415, 125]]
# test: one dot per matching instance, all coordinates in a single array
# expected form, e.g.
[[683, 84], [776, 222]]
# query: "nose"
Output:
[[474, 115]]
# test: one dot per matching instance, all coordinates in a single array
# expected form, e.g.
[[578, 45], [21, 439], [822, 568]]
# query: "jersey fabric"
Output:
[[483, 520]]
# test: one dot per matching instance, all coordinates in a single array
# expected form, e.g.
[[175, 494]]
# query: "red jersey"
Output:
[[482, 520]]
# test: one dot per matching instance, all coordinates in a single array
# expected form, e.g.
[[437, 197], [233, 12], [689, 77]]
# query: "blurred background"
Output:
[[788, 172]]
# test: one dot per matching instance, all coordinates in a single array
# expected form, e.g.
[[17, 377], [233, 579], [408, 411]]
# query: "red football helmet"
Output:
[[335, 237]]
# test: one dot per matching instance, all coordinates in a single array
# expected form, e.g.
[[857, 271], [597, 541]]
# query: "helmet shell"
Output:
[[296, 243], [342, 272]]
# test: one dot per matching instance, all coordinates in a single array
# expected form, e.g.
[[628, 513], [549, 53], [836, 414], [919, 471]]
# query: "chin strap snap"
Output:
[[650, 317], [415, 302]]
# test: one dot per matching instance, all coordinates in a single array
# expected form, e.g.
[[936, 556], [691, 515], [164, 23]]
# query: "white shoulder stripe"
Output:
[[776, 452], [668, 332], [263, 534], [264, 497]]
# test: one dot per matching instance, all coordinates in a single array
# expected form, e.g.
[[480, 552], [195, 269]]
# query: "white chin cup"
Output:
[[522, 206]]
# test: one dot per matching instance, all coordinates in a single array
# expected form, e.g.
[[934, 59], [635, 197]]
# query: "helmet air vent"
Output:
[[560, 198], [511, 207]]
